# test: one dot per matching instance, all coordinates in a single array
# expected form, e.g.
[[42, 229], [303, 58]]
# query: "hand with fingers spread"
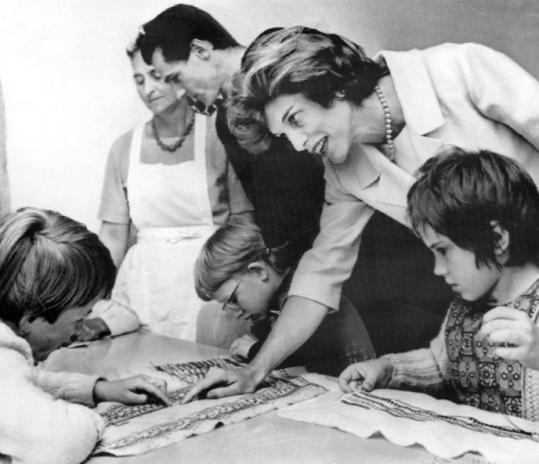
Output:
[[515, 335], [133, 390], [366, 375], [225, 382]]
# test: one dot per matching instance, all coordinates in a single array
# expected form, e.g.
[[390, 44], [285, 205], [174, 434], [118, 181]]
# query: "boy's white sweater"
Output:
[[38, 421]]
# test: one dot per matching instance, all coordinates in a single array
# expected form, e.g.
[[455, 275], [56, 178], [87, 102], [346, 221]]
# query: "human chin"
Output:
[[336, 154], [467, 294], [162, 105]]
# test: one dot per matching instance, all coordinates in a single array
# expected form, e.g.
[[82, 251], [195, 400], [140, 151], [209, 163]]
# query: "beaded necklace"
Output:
[[388, 124], [174, 146]]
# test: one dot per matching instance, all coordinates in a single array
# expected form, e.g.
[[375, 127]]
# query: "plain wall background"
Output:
[[68, 90]]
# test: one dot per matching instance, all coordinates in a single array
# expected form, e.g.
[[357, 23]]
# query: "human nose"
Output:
[[297, 139], [149, 87], [440, 269]]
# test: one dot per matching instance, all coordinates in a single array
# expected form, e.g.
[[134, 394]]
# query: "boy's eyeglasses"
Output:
[[231, 303]]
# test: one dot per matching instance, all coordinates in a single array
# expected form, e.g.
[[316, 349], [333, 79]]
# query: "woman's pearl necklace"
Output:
[[388, 123]]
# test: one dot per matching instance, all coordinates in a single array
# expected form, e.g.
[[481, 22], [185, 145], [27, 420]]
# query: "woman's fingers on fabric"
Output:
[[214, 376], [221, 392]]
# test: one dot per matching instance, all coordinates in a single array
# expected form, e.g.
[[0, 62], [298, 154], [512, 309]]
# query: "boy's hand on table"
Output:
[[241, 346], [226, 382], [140, 389], [91, 329], [366, 375], [514, 333]]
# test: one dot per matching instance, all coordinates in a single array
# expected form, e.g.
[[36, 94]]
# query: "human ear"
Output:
[[259, 269], [201, 48], [502, 238]]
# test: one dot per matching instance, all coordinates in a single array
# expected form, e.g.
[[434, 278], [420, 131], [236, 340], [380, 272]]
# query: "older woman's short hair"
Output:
[[295, 60]]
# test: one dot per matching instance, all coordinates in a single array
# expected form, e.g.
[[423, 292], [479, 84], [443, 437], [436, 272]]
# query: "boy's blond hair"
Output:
[[228, 251]]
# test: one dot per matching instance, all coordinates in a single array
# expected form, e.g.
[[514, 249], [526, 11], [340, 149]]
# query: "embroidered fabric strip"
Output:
[[446, 429], [138, 429]]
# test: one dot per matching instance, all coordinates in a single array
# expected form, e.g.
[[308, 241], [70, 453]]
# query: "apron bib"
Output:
[[170, 206]]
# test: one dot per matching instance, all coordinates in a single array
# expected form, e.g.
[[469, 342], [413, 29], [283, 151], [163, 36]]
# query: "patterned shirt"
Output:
[[477, 376], [465, 363]]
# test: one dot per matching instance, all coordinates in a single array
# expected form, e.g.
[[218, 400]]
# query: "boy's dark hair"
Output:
[[458, 193], [49, 263], [175, 28]]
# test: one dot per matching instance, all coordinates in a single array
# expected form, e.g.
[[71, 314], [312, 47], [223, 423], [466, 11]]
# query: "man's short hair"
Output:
[[174, 29]]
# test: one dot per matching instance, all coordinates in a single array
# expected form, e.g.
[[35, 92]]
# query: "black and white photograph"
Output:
[[259, 232]]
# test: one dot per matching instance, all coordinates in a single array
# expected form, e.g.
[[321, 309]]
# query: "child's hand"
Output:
[[133, 390], [91, 329], [241, 346], [366, 375], [515, 334]]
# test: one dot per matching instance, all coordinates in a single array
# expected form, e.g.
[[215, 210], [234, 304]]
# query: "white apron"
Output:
[[170, 206]]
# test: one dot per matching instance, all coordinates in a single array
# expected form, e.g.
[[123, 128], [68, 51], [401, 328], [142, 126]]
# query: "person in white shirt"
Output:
[[52, 270], [373, 122]]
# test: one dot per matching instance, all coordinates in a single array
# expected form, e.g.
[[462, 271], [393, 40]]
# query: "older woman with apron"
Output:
[[173, 199]]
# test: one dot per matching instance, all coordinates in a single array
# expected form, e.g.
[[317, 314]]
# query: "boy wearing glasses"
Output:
[[237, 269]]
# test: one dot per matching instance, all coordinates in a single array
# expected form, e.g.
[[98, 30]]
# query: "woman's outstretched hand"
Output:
[[225, 382]]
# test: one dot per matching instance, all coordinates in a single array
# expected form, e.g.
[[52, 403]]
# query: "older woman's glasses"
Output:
[[231, 303]]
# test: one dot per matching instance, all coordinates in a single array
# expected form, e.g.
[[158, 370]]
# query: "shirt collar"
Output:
[[207, 110], [415, 90]]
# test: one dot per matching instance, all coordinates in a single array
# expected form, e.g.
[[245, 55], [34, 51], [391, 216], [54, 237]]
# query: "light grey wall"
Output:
[[68, 91]]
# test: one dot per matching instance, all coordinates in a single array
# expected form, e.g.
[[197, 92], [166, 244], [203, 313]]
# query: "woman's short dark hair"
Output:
[[175, 28], [459, 193], [295, 60], [49, 263]]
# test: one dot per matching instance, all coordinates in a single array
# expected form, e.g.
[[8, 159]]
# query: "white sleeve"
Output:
[[326, 266], [501, 89], [119, 318], [35, 427]]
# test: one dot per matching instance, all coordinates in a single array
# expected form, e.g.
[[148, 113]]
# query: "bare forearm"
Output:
[[299, 319], [115, 237]]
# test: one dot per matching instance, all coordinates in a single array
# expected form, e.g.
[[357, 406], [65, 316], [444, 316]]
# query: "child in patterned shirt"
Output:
[[479, 214]]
